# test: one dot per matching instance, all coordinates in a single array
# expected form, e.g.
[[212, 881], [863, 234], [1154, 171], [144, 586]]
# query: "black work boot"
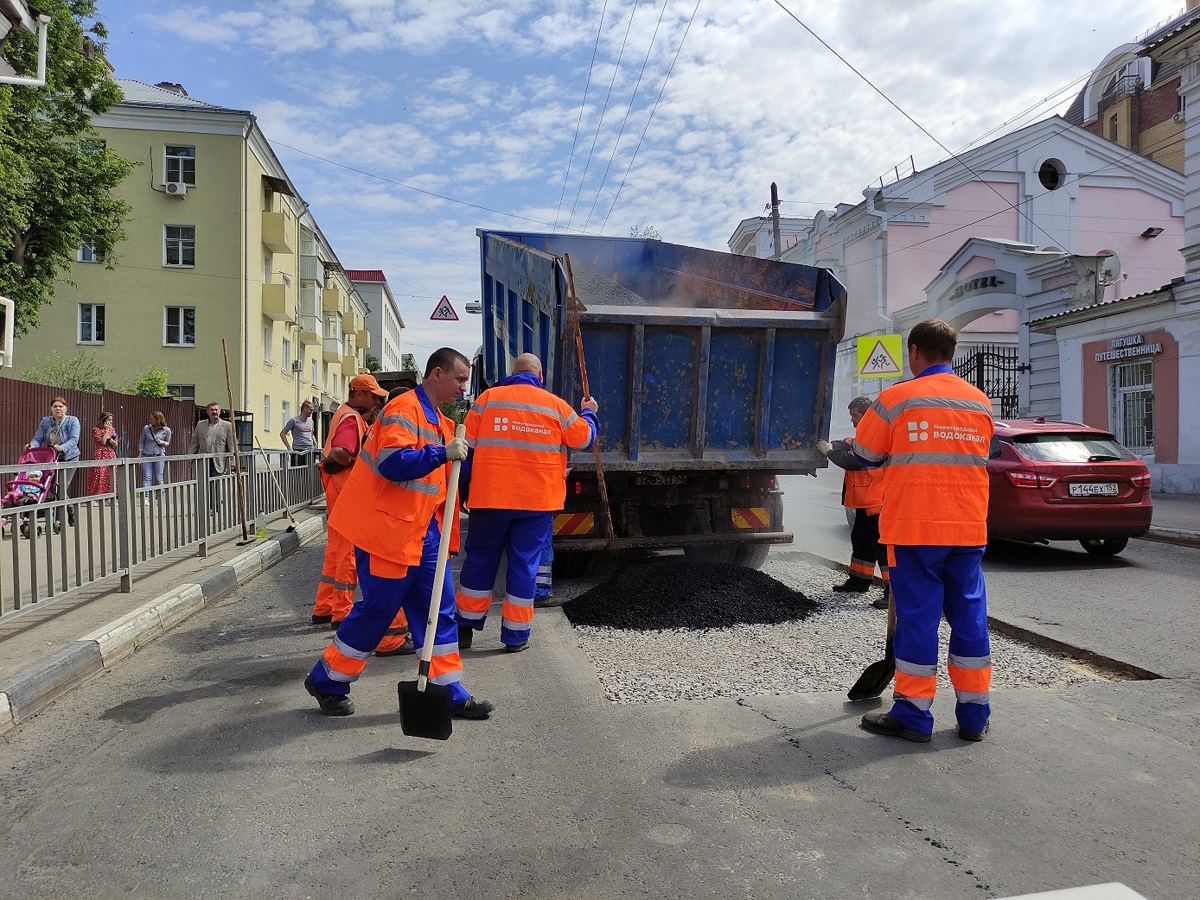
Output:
[[331, 704], [855, 584], [882, 602], [474, 708], [466, 634], [882, 723]]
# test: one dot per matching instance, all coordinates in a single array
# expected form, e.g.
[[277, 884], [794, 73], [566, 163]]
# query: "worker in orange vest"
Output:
[[862, 491], [514, 481], [392, 509], [932, 435]]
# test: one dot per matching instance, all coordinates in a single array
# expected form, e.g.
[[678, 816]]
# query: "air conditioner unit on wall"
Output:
[[1178, 117], [176, 188], [297, 365]]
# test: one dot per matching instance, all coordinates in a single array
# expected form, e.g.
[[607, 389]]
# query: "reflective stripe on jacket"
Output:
[[520, 435], [336, 482], [932, 435], [385, 518]]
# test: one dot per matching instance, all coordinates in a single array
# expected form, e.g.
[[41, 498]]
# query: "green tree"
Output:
[[81, 372], [371, 361], [56, 175], [151, 383]]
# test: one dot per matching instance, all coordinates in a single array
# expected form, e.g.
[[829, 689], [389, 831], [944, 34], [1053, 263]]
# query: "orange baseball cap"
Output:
[[367, 383]]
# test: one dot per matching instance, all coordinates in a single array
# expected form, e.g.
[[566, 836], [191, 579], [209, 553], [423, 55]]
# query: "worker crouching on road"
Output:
[[392, 510], [514, 481], [862, 491], [932, 434]]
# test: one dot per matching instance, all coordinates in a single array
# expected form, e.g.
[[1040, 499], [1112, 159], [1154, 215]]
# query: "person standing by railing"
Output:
[[214, 436], [61, 433], [152, 448], [100, 479]]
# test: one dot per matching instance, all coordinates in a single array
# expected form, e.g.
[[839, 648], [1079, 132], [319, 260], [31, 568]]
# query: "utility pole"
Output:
[[775, 222]]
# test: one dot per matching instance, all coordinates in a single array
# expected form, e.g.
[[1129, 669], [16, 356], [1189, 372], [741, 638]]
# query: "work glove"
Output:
[[823, 447], [456, 449]]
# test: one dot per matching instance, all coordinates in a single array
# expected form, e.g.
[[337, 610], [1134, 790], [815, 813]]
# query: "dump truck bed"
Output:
[[699, 359]]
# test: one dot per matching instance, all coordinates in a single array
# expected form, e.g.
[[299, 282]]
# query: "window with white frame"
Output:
[[179, 326], [179, 245], [267, 411], [287, 412], [285, 356], [184, 393], [180, 164], [1133, 405], [91, 323], [266, 343], [314, 372], [87, 254]]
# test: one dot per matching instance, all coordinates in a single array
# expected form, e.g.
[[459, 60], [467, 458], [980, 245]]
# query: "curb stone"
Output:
[[29, 691]]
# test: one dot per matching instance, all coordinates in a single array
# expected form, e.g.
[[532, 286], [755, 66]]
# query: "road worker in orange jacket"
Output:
[[514, 482], [932, 435], [392, 509], [862, 491]]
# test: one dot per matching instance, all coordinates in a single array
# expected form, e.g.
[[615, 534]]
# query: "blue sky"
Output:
[[407, 124]]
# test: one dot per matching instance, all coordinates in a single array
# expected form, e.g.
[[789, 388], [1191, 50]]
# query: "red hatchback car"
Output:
[[1061, 481]]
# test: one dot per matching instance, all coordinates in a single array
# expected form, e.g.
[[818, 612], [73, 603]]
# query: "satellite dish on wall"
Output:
[[1110, 269]]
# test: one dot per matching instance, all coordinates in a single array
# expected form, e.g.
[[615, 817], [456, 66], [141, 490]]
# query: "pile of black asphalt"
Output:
[[685, 594]]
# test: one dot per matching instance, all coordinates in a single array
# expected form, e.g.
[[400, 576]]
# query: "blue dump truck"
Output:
[[714, 375]]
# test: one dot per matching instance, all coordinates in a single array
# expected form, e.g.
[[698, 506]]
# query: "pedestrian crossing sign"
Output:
[[444, 312], [879, 356]]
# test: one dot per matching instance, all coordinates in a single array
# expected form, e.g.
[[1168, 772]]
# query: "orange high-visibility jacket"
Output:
[[932, 434], [863, 488], [520, 434], [335, 483], [386, 518]]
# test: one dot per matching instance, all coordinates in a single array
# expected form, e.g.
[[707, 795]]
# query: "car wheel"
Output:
[[1104, 546]]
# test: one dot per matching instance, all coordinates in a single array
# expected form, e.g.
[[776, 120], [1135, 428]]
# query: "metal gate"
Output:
[[994, 369]]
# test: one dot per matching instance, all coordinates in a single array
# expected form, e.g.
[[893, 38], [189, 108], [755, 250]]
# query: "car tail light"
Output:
[[1142, 480], [1023, 479]]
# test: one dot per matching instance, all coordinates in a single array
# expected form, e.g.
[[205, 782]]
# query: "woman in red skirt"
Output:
[[100, 478]]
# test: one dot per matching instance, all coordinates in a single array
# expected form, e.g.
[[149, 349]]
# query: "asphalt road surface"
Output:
[[199, 767]]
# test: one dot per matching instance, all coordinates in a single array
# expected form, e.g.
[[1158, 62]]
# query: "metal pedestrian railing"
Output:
[[59, 547]]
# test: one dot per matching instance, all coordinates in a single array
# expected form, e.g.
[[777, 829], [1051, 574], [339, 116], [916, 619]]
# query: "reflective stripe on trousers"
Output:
[[339, 580]]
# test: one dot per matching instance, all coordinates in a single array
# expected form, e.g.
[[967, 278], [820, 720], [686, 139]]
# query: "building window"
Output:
[[87, 254], [1133, 405], [91, 323], [285, 357], [266, 343], [314, 372], [179, 326], [1051, 174], [179, 245], [184, 393], [287, 412], [180, 164], [267, 411], [1114, 130]]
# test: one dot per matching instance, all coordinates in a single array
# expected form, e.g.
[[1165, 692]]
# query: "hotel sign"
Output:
[[1128, 347], [994, 281]]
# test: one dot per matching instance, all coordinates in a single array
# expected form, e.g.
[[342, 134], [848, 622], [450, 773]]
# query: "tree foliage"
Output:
[[151, 383], [56, 175], [81, 372], [371, 361]]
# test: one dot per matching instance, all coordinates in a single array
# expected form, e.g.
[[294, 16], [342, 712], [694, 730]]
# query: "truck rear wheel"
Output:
[[572, 563]]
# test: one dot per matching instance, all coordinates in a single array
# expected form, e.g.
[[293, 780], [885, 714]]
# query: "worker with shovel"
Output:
[[933, 433], [519, 434], [392, 511]]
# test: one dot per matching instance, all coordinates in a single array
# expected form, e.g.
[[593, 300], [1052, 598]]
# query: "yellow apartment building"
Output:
[[220, 246]]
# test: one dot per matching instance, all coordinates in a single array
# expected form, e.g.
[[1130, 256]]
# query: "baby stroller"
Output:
[[32, 486]]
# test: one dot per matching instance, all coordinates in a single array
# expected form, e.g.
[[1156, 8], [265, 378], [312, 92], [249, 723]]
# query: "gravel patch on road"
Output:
[[826, 651]]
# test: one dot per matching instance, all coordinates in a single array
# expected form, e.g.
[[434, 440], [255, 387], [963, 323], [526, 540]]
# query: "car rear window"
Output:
[[1074, 447]]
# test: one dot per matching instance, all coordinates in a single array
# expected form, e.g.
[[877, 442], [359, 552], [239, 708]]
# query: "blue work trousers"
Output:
[[522, 535]]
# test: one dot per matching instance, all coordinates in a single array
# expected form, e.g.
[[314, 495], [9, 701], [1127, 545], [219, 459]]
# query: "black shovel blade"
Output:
[[874, 680], [425, 714]]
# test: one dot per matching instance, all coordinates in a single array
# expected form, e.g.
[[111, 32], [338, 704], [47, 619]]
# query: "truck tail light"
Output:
[[1023, 479]]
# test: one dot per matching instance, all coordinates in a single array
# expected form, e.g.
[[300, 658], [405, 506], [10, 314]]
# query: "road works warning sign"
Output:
[[444, 312], [879, 356]]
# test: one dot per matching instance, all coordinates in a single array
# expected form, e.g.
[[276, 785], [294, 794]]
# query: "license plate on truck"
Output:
[[1090, 489]]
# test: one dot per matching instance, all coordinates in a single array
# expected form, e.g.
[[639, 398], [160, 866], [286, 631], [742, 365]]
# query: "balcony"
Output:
[[349, 366], [275, 304], [331, 350], [348, 321], [311, 268], [311, 332], [330, 300], [275, 230], [362, 337]]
